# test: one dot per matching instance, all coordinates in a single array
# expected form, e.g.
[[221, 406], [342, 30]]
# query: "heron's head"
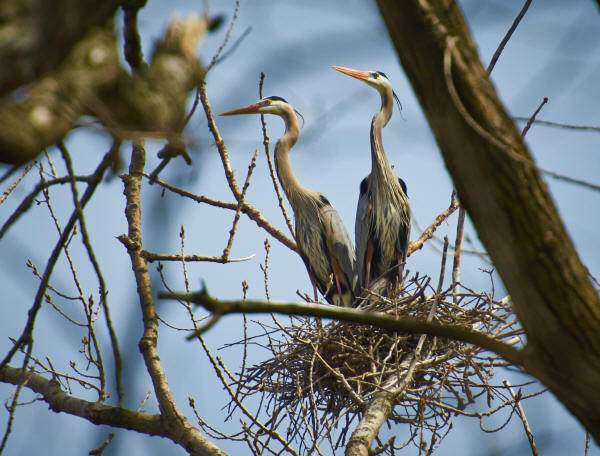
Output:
[[376, 79], [268, 105]]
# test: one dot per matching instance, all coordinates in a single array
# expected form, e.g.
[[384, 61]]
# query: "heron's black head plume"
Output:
[[395, 96], [276, 98]]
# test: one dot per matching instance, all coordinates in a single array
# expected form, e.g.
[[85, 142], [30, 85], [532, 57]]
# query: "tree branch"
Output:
[[182, 432], [508, 202], [94, 412], [378, 319], [91, 81]]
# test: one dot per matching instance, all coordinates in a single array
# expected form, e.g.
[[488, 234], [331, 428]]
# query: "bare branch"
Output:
[[533, 116], [26, 337], [184, 434], [384, 321], [428, 233], [15, 183], [270, 162], [511, 30], [521, 413], [549, 123], [230, 176], [460, 229]]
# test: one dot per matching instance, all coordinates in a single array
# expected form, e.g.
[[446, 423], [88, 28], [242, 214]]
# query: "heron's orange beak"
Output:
[[250, 109], [362, 75]]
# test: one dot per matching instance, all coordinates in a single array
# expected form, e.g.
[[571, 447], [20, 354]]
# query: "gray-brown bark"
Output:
[[37, 35], [91, 81], [98, 413], [506, 199]]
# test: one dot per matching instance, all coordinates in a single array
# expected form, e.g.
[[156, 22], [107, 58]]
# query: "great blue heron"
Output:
[[323, 241], [383, 214]]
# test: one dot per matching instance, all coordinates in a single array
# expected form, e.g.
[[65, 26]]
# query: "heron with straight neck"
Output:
[[382, 226]]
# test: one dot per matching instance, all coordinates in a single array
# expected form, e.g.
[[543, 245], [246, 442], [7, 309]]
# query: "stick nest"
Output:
[[319, 374]]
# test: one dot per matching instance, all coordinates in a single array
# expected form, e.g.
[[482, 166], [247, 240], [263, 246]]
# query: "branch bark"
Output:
[[91, 81], [379, 319], [94, 412], [30, 44], [507, 200], [179, 428]]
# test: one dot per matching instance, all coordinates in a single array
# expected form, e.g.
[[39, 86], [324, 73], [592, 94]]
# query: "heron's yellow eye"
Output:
[[375, 75], [268, 102]]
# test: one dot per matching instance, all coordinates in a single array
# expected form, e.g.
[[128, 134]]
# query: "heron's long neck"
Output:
[[379, 163], [291, 186]]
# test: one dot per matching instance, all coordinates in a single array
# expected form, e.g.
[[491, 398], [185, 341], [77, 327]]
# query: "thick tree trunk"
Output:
[[506, 199]]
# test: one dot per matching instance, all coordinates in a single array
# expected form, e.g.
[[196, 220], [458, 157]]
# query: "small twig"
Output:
[[521, 413], [270, 162], [213, 61], [98, 451], [152, 257], [571, 180], [12, 409], [265, 269], [102, 286], [236, 218], [234, 46], [460, 229], [511, 30], [15, 183], [141, 407], [532, 118], [587, 444], [428, 233], [133, 46], [549, 123], [227, 36]]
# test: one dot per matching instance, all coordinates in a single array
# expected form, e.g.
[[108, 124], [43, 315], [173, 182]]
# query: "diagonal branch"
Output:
[[181, 430], [26, 337], [381, 406], [506, 198], [230, 175], [378, 319]]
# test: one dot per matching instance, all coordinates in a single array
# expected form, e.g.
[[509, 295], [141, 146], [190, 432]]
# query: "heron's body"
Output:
[[323, 241], [383, 214]]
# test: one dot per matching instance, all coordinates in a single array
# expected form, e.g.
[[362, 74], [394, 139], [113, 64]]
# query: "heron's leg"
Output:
[[339, 289], [314, 284], [368, 259], [400, 268], [335, 268]]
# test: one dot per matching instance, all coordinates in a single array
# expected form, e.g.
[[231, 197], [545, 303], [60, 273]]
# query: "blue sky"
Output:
[[554, 53]]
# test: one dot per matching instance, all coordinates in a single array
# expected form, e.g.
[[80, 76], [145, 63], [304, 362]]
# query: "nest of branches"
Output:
[[321, 376]]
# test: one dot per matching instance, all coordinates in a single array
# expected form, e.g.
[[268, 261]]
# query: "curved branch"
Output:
[[94, 412], [381, 320]]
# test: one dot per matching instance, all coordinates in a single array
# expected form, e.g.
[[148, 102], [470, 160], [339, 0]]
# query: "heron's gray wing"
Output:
[[339, 243], [361, 231], [404, 235]]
